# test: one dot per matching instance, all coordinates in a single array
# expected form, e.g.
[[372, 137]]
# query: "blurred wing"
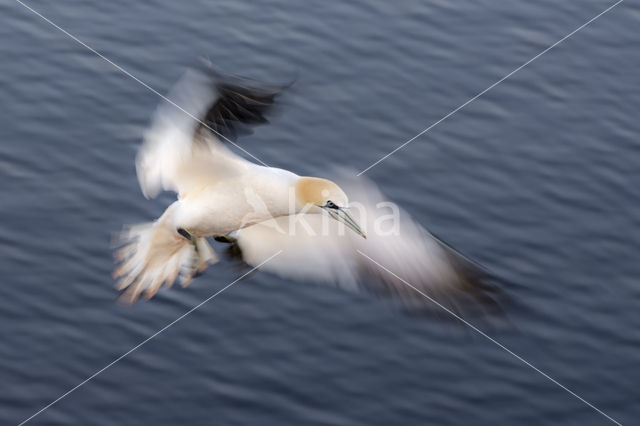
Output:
[[240, 104], [179, 152], [344, 258]]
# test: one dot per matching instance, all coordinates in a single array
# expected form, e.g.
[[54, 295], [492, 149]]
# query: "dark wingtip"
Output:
[[240, 103]]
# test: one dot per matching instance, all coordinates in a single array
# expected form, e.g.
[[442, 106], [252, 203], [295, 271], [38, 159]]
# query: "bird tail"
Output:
[[152, 254]]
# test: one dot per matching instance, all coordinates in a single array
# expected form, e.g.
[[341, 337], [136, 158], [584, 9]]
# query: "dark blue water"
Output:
[[537, 180]]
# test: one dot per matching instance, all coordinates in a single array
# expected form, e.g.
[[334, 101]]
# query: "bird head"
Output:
[[317, 195]]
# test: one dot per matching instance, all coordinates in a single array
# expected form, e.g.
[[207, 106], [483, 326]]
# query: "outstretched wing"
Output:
[[182, 149], [240, 104], [407, 264]]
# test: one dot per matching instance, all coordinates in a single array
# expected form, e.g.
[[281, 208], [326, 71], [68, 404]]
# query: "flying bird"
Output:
[[263, 210], [182, 152]]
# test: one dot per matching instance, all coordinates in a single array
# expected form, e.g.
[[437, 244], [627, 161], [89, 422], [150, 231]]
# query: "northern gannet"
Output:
[[217, 189], [257, 208]]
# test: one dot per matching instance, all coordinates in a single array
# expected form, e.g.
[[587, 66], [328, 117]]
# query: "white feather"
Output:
[[340, 256], [153, 254], [175, 155]]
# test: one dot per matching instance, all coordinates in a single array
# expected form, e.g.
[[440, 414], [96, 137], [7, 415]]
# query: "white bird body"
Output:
[[226, 205]]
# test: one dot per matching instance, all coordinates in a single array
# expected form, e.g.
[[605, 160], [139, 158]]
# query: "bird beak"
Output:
[[341, 215]]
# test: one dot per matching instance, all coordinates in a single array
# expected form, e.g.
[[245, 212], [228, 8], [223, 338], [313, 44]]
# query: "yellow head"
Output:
[[317, 195], [317, 192]]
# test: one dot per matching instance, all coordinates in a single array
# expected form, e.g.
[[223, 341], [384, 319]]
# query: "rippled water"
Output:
[[536, 179]]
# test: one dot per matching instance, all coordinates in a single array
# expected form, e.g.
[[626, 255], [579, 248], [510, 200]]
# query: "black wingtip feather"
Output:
[[240, 104]]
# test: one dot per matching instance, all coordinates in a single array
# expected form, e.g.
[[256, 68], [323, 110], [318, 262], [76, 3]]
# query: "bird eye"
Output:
[[331, 205]]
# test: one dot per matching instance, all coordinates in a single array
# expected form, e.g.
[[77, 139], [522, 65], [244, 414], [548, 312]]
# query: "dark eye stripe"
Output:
[[331, 205]]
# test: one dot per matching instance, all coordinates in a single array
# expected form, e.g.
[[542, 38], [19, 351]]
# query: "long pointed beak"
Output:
[[341, 215]]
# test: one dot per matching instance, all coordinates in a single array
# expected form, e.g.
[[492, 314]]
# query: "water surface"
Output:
[[536, 179]]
